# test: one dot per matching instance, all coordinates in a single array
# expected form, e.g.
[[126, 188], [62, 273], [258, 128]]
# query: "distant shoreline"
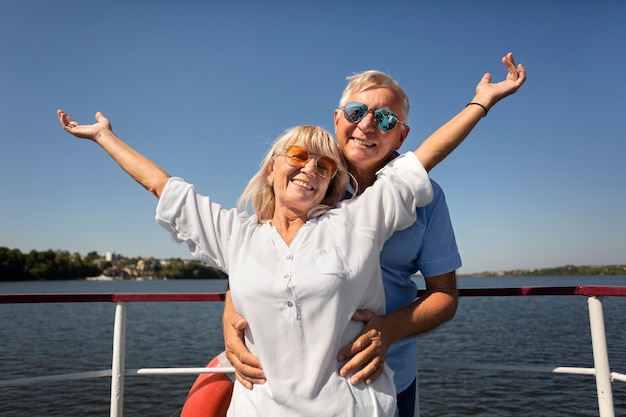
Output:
[[61, 265], [567, 270]]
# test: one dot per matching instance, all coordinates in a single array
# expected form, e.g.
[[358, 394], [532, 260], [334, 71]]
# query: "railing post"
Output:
[[600, 357], [118, 362], [416, 413]]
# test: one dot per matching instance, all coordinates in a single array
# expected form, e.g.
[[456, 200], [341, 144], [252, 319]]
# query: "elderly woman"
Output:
[[302, 264]]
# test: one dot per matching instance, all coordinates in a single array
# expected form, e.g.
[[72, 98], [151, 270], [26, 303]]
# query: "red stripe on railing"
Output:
[[108, 297], [586, 290], [611, 291], [181, 296], [500, 292]]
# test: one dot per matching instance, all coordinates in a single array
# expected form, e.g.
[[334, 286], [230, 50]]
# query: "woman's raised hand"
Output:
[[90, 132]]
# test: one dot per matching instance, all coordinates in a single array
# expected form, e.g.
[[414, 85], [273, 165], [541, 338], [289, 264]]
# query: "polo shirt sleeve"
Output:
[[438, 253]]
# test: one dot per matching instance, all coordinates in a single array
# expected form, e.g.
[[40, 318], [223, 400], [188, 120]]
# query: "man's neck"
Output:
[[366, 177]]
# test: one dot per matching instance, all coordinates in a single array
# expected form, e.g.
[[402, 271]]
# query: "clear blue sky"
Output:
[[202, 88]]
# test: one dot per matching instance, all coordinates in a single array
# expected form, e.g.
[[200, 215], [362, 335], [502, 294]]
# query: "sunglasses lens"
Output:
[[355, 112], [296, 156], [326, 167], [385, 119]]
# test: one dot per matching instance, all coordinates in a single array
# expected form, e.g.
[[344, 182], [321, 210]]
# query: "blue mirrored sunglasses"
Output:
[[385, 119]]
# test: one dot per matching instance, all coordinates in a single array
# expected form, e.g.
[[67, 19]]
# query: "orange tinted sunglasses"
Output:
[[298, 157]]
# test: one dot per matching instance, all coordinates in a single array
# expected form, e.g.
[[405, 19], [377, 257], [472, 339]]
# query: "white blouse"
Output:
[[299, 299]]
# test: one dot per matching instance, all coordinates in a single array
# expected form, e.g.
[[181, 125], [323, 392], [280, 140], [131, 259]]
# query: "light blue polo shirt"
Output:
[[427, 246]]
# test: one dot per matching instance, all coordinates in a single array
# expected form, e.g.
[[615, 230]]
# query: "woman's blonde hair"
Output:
[[363, 80], [260, 194]]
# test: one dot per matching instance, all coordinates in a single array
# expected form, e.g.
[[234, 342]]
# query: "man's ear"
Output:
[[337, 116], [403, 134]]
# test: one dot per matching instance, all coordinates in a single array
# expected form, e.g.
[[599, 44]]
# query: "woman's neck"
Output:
[[287, 226]]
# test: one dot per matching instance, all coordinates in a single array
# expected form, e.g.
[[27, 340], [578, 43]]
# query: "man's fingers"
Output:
[[243, 381], [369, 372], [360, 352], [252, 375], [354, 348], [250, 368], [247, 372]]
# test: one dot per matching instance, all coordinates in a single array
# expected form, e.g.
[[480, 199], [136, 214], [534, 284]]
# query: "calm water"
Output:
[[47, 339]]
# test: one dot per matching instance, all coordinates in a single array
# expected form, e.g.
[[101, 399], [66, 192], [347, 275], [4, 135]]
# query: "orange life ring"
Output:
[[210, 395]]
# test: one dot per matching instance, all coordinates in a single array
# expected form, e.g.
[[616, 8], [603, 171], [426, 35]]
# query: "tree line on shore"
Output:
[[61, 265], [52, 265], [559, 271]]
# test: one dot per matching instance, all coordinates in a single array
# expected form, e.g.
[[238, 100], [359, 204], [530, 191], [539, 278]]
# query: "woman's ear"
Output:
[[270, 174]]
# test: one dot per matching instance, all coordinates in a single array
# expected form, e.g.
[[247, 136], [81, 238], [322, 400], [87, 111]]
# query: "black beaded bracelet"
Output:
[[478, 104]]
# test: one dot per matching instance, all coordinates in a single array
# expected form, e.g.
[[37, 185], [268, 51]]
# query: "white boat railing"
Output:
[[601, 369]]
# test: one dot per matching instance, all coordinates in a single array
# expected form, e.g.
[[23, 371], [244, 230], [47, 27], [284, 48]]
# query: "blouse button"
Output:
[[289, 304], [289, 257], [286, 276]]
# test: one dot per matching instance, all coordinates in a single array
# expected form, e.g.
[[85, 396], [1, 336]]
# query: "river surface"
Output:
[[544, 331]]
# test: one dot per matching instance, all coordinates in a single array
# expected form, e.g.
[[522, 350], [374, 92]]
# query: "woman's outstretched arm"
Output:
[[151, 176]]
